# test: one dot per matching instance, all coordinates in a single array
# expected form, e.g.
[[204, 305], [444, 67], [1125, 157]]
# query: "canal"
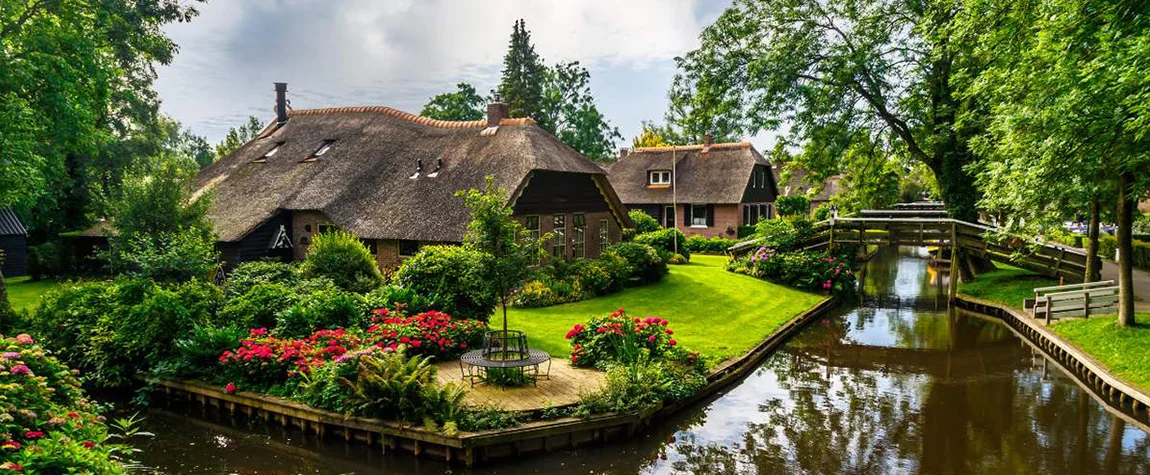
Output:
[[891, 383]]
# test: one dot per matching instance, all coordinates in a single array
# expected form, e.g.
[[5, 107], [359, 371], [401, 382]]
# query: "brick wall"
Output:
[[726, 215], [305, 225], [592, 222]]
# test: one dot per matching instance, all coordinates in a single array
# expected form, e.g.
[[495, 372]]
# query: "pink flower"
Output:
[[24, 339], [230, 388], [33, 434], [670, 331], [672, 342], [21, 369], [416, 343], [258, 331], [12, 355], [651, 338], [827, 285]]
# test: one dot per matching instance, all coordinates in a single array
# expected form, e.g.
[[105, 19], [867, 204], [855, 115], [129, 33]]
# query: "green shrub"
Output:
[[199, 353], [51, 259], [321, 310], [714, 245], [259, 305], [535, 293], [784, 235], [594, 278], [451, 277], [396, 387], [394, 297], [644, 223], [250, 274], [823, 212], [324, 387], [342, 257], [792, 205], [1107, 245], [745, 231], [642, 385], [664, 241], [115, 330], [164, 257], [644, 265]]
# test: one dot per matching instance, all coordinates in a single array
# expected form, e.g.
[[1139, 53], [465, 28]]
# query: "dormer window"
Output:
[[320, 151], [263, 158], [659, 177]]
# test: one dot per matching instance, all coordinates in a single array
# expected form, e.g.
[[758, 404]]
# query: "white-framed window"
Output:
[[755, 212], [559, 230], [578, 228], [531, 223], [604, 235], [699, 215], [659, 177]]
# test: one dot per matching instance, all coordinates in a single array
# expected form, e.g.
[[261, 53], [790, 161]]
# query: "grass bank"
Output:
[[711, 310], [1124, 351], [23, 292]]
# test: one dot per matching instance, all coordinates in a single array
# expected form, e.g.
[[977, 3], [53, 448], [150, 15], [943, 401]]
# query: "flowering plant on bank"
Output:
[[429, 333], [618, 337], [46, 423], [808, 270]]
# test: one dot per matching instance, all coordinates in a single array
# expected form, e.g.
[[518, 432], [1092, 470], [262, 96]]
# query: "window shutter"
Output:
[[687, 215], [710, 215]]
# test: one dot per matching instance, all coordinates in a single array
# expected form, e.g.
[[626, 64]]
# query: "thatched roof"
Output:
[[363, 182], [801, 184], [718, 175]]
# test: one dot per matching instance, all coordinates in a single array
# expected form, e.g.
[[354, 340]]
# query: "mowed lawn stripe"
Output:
[[717, 312]]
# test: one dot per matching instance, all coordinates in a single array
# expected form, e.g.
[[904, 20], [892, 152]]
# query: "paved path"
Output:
[[1141, 284]]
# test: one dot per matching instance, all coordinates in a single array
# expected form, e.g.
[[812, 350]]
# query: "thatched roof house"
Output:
[[13, 244], [717, 186], [801, 184], [390, 177]]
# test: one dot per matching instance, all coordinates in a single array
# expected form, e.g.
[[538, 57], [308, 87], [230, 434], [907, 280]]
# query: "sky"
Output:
[[400, 53]]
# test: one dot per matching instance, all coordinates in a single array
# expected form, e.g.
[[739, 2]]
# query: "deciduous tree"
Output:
[[463, 104], [238, 136]]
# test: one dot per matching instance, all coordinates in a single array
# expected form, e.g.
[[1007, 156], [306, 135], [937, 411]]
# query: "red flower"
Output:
[[672, 342], [33, 434], [72, 415], [230, 388], [670, 332], [463, 345], [10, 444], [88, 444], [416, 343], [651, 338], [12, 466], [258, 331]]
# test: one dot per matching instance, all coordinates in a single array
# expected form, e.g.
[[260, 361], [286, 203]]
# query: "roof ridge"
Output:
[[418, 119], [667, 148]]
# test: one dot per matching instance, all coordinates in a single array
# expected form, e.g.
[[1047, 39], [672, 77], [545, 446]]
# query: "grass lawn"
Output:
[[1123, 350], [711, 310], [1009, 285], [24, 292]]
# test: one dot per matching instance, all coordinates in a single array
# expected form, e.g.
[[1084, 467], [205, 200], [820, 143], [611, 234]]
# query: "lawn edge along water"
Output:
[[720, 313], [1122, 351]]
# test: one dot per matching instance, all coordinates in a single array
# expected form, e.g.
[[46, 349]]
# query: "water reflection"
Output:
[[894, 384]]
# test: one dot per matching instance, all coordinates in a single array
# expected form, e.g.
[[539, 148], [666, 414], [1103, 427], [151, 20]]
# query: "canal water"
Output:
[[891, 383]]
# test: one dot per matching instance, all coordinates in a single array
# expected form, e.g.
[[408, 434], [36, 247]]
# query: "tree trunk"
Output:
[[1093, 263], [1125, 251]]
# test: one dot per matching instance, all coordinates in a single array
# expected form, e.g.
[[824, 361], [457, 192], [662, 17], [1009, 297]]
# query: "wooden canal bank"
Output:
[[473, 448], [1115, 394]]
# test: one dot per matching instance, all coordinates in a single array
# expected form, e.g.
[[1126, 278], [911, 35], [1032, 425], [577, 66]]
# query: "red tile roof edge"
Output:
[[667, 148], [426, 121]]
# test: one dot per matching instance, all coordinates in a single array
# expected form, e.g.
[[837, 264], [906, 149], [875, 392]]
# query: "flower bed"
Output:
[[807, 270], [46, 423]]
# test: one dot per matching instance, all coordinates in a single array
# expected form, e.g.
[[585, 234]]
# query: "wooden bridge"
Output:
[[931, 227]]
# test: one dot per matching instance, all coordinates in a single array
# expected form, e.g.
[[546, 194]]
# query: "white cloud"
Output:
[[400, 52]]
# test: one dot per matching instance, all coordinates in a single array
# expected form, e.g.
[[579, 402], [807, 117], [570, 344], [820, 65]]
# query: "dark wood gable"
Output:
[[556, 192], [761, 187]]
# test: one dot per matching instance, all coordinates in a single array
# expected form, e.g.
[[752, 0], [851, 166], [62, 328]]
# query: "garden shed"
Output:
[[14, 243]]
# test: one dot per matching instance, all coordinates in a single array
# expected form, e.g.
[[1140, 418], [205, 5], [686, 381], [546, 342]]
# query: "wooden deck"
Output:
[[564, 386]]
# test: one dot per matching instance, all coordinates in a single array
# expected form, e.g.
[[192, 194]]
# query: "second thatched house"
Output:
[[390, 178], [710, 189]]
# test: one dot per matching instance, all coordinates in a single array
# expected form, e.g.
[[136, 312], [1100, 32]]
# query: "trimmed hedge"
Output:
[[663, 241], [714, 245]]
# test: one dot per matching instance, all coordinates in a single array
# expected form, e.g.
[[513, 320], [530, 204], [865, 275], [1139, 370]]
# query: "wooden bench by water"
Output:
[[1074, 300]]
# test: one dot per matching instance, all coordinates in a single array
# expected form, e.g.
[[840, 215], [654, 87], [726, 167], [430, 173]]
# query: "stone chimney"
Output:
[[496, 111], [281, 104]]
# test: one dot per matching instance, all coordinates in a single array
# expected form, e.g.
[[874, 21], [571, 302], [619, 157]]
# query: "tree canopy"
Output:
[[524, 76], [463, 104], [238, 136]]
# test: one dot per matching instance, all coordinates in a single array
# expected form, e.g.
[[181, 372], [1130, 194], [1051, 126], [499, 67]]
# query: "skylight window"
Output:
[[320, 151], [275, 148]]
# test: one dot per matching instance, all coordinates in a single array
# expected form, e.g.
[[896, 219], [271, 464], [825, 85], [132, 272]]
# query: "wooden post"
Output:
[[831, 247], [1086, 304], [952, 289], [1048, 309]]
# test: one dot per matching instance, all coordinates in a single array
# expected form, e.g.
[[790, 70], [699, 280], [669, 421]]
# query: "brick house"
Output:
[[718, 187], [390, 178]]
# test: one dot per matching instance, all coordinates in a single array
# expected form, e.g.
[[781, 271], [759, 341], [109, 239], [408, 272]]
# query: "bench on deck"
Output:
[[1074, 300]]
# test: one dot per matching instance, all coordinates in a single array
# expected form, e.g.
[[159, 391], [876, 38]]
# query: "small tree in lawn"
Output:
[[511, 247]]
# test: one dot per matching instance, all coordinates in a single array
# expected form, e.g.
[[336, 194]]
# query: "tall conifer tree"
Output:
[[523, 77]]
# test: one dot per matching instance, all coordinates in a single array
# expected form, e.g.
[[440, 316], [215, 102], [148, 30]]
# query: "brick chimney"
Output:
[[281, 104], [496, 111], [708, 140]]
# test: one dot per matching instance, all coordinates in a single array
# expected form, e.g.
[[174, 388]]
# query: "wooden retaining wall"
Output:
[[473, 448], [1107, 386]]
